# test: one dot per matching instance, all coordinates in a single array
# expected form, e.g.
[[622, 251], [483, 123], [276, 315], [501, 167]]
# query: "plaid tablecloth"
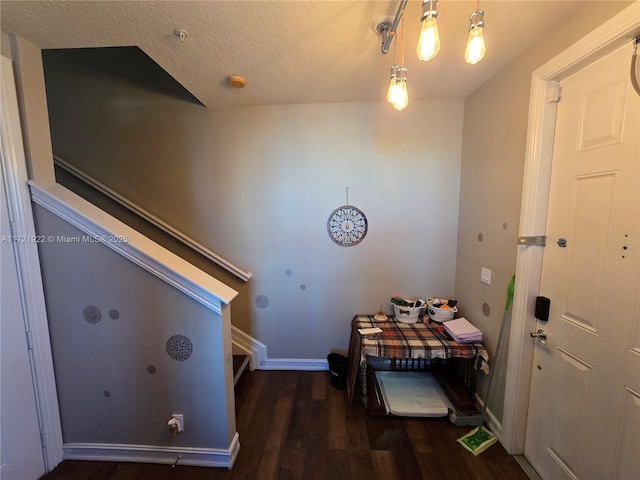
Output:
[[413, 340], [403, 340]]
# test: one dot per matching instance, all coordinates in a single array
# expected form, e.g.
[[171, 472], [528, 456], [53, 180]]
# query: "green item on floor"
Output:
[[478, 440]]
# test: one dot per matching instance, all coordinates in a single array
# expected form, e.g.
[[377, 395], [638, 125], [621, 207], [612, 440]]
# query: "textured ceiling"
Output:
[[289, 51]]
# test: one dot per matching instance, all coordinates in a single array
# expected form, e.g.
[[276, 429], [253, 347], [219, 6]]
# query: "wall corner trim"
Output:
[[191, 456], [102, 227], [256, 350]]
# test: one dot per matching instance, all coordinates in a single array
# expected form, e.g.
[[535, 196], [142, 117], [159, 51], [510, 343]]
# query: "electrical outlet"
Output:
[[485, 276], [180, 418]]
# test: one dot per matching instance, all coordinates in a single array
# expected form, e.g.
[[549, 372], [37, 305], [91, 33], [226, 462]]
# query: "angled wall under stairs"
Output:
[[138, 334]]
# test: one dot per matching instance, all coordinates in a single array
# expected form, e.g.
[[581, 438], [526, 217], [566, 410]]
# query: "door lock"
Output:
[[540, 335]]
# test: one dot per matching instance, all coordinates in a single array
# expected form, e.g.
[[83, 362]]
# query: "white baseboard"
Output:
[[108, 452], [257, 351], [304, 364]]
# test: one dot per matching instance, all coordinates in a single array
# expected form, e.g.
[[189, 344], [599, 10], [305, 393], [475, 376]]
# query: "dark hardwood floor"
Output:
[[294, 425]]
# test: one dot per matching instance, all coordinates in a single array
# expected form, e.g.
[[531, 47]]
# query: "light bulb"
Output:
[[392, 83], [475, 46], [400, 95], [429, 42], [403, 96]]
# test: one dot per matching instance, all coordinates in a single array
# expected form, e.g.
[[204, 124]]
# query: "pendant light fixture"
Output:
[[429, 41], [428, 45], [401, 94], [475, 46], [398, 95]]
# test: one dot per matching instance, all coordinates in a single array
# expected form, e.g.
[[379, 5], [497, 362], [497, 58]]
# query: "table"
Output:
[[404, 341]]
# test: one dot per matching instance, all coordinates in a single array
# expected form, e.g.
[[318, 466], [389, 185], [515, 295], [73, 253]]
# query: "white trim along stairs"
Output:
[[151, 218]]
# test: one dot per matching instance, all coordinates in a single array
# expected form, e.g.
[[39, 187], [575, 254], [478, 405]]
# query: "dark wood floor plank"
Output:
[[296, 426], [131, 471], [380, 431], [269, 463], [320, 381], [338, 464], [316, 463], [356, 429], [308, 425], [292, 463], [384, 465], [260, 412], [75, 470], [420, 439], [289, 383], [404, 455], [360, 464], [249, 393], [280, 422], [337, 423]]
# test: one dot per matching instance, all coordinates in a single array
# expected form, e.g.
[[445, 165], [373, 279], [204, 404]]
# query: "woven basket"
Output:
[[407, 314], [438, 314]]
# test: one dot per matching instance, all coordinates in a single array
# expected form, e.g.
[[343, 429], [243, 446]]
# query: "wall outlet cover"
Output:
[[180, 418]]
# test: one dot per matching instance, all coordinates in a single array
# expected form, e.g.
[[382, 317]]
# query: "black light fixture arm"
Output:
[[388, 30]]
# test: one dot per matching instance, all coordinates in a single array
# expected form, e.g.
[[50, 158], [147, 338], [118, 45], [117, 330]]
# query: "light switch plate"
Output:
[[485, 276]]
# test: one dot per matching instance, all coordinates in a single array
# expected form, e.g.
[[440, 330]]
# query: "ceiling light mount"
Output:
[[181, 34], [388, 29]]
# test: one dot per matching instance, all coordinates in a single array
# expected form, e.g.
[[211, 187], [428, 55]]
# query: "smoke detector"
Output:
[[236, 82]]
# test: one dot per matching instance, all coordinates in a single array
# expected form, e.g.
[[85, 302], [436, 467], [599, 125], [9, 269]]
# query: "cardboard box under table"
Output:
[[423, 347]]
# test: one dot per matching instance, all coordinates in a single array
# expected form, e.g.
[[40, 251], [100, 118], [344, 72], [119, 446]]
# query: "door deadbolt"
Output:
[[540, 335]]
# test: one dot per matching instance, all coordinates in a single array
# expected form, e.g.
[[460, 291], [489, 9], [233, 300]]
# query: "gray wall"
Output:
[[120, 379], [493, 150], [257, 184]]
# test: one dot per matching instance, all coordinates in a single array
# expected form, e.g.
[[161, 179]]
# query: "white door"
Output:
[[584, 409], [21, 455]]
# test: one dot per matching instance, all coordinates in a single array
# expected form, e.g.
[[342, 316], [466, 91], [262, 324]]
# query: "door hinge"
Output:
[[43, 439], [554, 92], [29, 340], [533, 240]]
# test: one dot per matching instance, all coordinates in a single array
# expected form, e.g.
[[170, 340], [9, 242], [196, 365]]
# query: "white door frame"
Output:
[[30, 280], [533, 214]]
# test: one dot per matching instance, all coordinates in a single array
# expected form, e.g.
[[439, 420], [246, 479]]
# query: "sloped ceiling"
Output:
[[290, 51]]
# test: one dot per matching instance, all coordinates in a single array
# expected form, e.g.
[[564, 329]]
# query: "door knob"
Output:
[[540, 335]]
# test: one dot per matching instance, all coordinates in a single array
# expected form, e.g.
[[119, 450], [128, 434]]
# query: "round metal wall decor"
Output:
[[92, 314], [179, 347], [347, 225]]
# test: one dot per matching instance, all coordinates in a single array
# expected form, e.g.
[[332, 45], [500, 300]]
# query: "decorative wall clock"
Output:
[[347, 225]]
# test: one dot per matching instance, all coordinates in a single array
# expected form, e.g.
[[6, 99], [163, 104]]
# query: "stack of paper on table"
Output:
[[462, 331]]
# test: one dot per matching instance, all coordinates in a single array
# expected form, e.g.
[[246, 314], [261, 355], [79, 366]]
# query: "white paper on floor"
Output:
[[414, 394]]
